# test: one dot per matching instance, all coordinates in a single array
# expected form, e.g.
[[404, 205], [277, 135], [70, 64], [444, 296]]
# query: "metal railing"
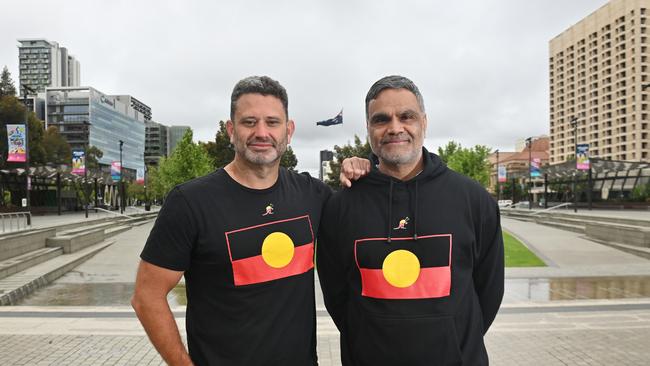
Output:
[[566, 204], [111, 212], [22, 221]]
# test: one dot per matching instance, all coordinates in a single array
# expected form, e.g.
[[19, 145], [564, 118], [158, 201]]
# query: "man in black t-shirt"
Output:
[[243, 237]]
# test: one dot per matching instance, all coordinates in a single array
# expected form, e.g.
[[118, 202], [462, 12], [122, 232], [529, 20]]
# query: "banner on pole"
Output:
[[582, 157], [16, 143], [116, 171], [502, 174], [139, 176], [78, 162], [535, 166]]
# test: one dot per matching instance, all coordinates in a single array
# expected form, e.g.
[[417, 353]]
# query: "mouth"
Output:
[[261, 145], [395, 142]]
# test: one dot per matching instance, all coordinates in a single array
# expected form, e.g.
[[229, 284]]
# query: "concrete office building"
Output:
[[86, 116], [598, 72], [45, 64], [156, 140], [175, 135], [137, 105]]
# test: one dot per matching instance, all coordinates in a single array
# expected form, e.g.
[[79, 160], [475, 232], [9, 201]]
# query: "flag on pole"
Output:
[[332, 121]]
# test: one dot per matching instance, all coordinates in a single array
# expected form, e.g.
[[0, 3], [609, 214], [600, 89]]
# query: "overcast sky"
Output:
[[482, 66]]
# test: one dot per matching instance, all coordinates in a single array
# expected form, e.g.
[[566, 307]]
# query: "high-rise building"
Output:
[[600, 75], [86, 116], [175, 135], [45, 64], [155, 145], [137, 105]]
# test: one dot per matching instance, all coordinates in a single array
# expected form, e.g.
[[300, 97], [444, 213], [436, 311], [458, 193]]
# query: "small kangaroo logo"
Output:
[[269, 210], [402, 224]]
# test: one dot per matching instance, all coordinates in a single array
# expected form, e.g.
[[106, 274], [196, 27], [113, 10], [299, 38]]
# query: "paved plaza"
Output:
[[591, 306]]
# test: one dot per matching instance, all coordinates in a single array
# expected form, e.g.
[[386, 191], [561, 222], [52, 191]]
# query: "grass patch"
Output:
[[517, 255]]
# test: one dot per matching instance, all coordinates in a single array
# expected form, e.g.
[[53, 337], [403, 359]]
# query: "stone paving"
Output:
[[532, 328]]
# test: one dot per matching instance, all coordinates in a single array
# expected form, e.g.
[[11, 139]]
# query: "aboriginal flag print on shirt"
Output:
[[405, 268], [271, 251]]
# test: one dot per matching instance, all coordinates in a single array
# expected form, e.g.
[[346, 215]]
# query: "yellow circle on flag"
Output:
[[401, 268], [277, 249]]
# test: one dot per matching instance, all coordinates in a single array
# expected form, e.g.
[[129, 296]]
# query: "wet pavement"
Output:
[[517, 290]]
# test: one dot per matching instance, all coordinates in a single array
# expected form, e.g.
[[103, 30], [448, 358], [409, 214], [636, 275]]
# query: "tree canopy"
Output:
[[188, 161], [471, 162], [7, 86], [222, 152], [348, 150]]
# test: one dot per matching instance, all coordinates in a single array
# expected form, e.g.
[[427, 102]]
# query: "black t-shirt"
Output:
[[248, 261]]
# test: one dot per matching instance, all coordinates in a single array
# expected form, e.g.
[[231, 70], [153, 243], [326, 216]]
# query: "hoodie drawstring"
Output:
[[390, 210], [415, 213]]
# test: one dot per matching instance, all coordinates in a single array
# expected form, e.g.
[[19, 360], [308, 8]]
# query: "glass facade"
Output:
[[108, 127], [86, 116]]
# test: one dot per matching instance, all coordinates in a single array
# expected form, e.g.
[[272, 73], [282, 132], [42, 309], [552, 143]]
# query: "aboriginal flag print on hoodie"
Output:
[[412, 271]]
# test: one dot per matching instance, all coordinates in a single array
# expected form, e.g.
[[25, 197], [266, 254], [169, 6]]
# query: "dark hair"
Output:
[[258, 85], [393, 82]]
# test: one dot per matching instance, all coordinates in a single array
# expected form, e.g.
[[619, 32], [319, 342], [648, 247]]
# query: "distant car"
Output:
[[504, 203]]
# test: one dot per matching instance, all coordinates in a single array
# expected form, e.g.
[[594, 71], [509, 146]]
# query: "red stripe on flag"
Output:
[[252, 270], [432, 282]]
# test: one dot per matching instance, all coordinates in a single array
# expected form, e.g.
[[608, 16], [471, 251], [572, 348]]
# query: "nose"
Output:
[[395, 126], [261, 130]]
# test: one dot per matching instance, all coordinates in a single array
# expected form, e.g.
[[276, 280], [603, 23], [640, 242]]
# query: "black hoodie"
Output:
[[412, 272]]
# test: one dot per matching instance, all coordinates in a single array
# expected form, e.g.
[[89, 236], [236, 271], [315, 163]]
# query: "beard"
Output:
[[400, 155], [260, 158]]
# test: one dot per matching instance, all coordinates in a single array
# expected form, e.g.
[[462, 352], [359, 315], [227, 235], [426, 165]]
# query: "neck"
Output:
[[253, 175], [402, 171]]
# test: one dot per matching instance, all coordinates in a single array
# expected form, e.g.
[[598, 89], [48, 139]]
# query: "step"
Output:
[[18, 286], [586, 218], [558, 225], [74, 242], [619, 233], [108, 233], [12, 245], [22, 262], [632, 249]]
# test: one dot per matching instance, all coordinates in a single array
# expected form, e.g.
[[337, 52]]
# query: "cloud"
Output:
[[481, 66]]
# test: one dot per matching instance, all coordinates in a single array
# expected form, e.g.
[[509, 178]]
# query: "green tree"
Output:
[[449, 150], [12, 111], [135, 190], [93, 154], [222, 152], [289, 159], [7, 86], [57, 149], [188, 161], [358, 149], [471, 162]]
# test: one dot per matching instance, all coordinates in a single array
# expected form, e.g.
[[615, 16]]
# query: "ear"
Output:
[[230, 129], [291, 127], [424, 127]]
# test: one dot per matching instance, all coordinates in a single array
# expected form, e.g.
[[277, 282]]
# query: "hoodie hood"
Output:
[[432, 167]]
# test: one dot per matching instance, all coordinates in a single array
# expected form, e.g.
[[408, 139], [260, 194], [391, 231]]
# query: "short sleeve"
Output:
[[173, 235]]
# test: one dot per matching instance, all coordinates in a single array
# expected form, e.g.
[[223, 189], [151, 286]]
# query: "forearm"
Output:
[[158, 321]]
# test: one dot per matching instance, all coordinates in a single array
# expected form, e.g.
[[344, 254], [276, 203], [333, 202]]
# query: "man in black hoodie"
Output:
[[410, 259]]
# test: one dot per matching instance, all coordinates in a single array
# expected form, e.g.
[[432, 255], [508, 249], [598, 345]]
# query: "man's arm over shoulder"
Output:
[[330, 266], [489, 266]]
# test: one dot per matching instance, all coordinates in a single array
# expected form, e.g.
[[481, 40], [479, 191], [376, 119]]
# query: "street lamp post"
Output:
[[574, 125], [27, 89], [498, 191], [530, 173], [121, 188]]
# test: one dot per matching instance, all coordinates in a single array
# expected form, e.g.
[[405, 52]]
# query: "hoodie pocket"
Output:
[[406, 341]]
